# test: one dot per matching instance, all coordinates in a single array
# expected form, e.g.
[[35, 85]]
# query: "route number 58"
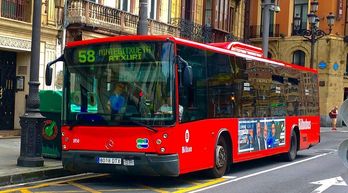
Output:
[[86, 56]]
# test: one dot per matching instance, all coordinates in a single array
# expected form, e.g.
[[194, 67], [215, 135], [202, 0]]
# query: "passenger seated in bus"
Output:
[[116, 101], [166, 107]]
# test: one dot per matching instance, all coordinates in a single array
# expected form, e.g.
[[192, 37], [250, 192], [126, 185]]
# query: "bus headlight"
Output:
[[163, 149], [165, 136]]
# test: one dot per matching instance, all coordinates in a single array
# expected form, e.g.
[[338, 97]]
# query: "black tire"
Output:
[[221, 159], [291, 155]]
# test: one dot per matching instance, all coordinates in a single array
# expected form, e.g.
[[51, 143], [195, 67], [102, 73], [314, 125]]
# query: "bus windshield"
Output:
[[120, 83]]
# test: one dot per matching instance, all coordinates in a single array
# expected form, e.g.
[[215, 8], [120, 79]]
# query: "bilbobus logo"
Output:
[[304, 124]]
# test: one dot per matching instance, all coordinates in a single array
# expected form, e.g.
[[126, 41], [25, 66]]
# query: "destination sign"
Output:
[[125, 52]]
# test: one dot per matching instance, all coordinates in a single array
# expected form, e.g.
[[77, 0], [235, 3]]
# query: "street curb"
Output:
[[33, 176]]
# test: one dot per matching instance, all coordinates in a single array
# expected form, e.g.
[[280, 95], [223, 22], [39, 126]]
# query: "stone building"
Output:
[[287, 43], [15, 53], [199, 20]]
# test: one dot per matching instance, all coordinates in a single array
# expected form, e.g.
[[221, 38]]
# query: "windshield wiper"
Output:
[[144, 125], [75, 123], [86, 118]]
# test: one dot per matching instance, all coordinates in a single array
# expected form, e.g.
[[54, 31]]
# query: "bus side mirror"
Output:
[[49, 70], [188, 76], [186, 71]]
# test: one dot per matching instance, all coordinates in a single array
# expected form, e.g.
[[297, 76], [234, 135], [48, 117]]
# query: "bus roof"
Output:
[[232, 48]]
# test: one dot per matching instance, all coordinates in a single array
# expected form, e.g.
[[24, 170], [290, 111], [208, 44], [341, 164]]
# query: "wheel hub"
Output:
[[220, 156]]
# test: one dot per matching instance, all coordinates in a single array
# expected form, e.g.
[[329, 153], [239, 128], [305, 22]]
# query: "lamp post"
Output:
[[267, 6], [142, 28], [31, 121], [314, 33]]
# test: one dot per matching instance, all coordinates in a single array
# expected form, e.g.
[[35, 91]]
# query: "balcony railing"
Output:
[[256, 31], [193, 31], [96, 15], [16, 9], [201, 33]]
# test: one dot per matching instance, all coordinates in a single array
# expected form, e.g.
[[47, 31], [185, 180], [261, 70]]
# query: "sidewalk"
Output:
[[329, 129], [10, 173]]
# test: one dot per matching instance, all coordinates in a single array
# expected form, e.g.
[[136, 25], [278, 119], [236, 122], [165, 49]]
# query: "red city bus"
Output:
[[161, 105]]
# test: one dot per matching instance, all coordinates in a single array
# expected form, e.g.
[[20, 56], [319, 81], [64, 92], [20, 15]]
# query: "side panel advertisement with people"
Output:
[[260, 134]]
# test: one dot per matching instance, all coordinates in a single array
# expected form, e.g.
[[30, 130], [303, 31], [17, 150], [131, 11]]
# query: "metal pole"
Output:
[[265, 31], [65, 24], [312, 48], [142, 28], [31, 121]]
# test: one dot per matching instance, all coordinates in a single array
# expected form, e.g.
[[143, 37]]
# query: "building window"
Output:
[[125, 5], [231, 19], [300, 10], [187, 10], [152, 9], [269, 55], [299, 58], [208, 13], [15, 9], [221, 17]]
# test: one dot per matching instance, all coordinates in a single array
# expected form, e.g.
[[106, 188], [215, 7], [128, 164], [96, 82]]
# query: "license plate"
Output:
[[128, 162], [109, 160]]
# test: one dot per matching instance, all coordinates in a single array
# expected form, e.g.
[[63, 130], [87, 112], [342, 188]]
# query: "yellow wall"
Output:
[[198, 12], [325, 7], [284, 17], [255, 13], [176, 8]]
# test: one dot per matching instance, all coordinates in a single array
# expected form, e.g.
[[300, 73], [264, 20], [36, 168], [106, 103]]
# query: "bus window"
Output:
[[221, 89], [194, 99], [292, 96], [277, 97]]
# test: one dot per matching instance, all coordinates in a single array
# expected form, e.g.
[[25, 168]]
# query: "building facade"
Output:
[[15, 53], [287, 43], [199, 20]]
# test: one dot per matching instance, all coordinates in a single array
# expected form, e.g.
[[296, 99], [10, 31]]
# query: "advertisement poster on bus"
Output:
[[260, 134]]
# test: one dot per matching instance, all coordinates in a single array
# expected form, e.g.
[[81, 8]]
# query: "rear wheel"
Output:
[[221, 159], [291, 155]]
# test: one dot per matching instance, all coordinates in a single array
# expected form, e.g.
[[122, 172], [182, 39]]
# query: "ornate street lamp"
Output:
[[314, 33], [31, 121], [314, 6]]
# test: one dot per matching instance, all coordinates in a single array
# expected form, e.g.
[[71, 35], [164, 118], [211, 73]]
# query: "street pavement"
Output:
[[10, 173]]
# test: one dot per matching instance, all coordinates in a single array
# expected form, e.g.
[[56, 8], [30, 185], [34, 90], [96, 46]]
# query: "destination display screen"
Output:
[[115, 52]]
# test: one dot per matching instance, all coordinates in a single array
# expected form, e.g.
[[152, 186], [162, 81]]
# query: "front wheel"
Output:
[[291, 155], [221, 159]]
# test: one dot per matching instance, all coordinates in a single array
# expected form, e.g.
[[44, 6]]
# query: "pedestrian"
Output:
[[333, 115]]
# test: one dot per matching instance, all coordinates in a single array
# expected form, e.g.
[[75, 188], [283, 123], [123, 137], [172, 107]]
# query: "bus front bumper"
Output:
[[121, 163]]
